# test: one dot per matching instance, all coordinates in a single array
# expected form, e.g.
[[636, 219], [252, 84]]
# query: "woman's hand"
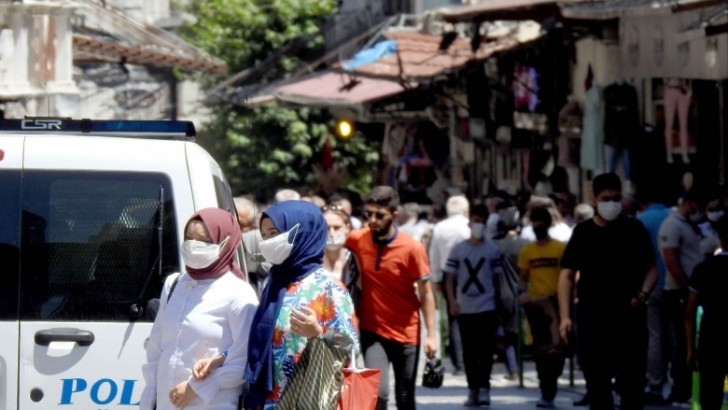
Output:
[[206, 366], [304, 322], [181, 395]]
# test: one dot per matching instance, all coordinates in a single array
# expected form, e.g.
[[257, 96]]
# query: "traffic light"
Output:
[[344, 128]]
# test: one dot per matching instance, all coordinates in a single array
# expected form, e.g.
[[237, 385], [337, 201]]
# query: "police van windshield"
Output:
[[94, 244]]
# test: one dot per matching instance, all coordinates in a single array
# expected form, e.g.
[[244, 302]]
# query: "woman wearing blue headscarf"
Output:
[[301, 301]]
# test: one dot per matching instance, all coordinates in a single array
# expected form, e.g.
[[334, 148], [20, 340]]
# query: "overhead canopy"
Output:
[[418, 56], [612, 9], [334, 89], [107, 34], [492, 10]]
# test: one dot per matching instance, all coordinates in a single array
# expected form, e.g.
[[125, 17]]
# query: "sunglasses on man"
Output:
[[379, 214]]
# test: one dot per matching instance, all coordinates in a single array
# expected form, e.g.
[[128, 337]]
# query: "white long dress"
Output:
[[202, 319]]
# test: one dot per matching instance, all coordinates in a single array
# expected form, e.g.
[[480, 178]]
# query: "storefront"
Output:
[[665, 80]]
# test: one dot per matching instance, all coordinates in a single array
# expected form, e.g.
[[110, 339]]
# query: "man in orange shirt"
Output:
[[391, 264]]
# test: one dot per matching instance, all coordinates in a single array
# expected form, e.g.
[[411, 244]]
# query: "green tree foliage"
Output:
[[266, 148]]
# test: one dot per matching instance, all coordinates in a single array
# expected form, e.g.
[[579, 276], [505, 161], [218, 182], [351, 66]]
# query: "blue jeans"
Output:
[[614, 157]]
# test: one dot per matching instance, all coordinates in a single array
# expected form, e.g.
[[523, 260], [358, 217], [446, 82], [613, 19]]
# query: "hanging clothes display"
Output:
[[592, 134], [525, 88], [395, 136], [677, 96], [621, 123], [569, 142]]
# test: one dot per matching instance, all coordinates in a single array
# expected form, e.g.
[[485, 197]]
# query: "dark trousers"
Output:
[[549, 369], [612, 347], [378, 354], [713, 367], [675, 308], [454, 337], [548, 353], [478, 332]]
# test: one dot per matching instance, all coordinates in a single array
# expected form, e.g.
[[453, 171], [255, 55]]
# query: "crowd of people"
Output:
[[617, 282]]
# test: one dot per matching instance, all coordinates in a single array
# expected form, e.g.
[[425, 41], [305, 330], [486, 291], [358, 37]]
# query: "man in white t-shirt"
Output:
[[445, 235]]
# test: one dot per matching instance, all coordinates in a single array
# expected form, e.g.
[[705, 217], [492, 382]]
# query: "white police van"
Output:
[[91, 218]]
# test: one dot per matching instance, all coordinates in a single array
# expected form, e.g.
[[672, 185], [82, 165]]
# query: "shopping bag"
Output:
[[543, 318], [360, 388], [317, 378]]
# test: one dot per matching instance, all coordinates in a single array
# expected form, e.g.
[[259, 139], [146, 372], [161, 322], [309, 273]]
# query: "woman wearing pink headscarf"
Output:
[[203, 313]]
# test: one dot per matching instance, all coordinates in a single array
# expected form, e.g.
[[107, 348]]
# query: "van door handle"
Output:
[[81, 337]]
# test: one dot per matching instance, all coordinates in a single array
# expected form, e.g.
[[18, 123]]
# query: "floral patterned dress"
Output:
[[330, 300]]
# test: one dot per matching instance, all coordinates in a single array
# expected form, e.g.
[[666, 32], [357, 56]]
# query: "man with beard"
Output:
[[394, 271]]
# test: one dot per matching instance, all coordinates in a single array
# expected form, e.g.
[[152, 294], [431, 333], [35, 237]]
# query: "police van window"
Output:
[[93, 242], [9, 242], [224, 196]]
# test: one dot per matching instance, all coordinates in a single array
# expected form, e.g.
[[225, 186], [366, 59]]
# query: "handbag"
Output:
[[434, 374], [543, 317], [360, 389], [317, 378]]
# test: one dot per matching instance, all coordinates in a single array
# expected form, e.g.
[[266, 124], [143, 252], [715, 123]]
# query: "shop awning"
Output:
[[492, 10], [612, 9], [335, 89], [107, 34], [90, 50], [413, 56]]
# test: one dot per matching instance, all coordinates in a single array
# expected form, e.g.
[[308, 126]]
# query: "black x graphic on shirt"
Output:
[[473, 279]]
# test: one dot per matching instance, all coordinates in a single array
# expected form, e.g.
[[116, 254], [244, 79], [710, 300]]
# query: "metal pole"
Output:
[[519, 329], [721, 131], [573, 353]]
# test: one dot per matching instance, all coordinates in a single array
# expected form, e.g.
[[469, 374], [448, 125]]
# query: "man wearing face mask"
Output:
[[477, 267], [679, 243], [710, 242], [445, 234], [539, 265], [616, 263]]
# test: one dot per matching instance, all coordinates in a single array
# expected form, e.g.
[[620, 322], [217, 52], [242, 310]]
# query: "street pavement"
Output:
[[505, 394]]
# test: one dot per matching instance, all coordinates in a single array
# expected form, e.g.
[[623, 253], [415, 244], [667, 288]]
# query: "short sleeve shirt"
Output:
[[676, 232], [475, 267], [612, 262], [389, 306], [543, 263], [335, 311]]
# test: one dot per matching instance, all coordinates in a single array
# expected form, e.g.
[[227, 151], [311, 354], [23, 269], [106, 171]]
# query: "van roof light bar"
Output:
[[175, 130]]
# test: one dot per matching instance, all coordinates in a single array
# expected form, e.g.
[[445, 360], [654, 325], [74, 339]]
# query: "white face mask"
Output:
[[714, 216], [477, 230], [199, 255], [609, 210], [336, 241], [277, 249]]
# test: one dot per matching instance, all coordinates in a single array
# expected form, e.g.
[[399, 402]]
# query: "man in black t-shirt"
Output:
[[708, 285], [615, 260]]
